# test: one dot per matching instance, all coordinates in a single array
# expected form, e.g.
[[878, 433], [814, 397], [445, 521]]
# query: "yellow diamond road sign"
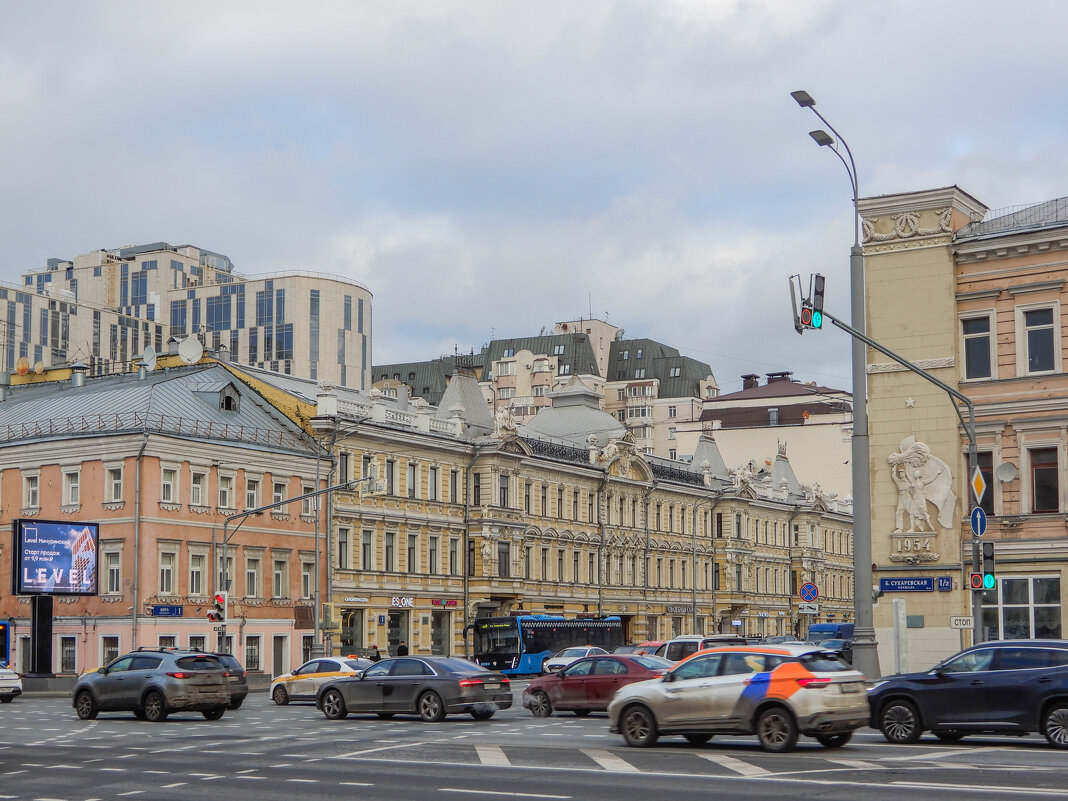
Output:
[[978, 485]]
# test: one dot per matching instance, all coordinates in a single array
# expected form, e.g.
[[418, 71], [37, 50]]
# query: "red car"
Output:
[[588, 685]]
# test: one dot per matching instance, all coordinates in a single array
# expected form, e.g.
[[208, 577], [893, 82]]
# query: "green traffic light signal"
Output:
[[817, 319], [989, 581]]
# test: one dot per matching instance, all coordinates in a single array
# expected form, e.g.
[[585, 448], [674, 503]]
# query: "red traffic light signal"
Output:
[[217, 613], [975, 580]]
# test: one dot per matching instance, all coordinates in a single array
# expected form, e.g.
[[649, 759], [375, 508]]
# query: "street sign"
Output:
[[906, 584], [978, 518], [808, 609], [168, 610], [978, 485], [219, 629], [961, 622], [945, 583], [809, 592]]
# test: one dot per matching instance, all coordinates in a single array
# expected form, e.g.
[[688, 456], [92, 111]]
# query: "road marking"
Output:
[[492, 755], [373, 750], [739, 767], [467, 791], [609, 761], [256, 778], [114, 770], [984, 788], [349, 784], [169, 786], [305, 781], [857, 763], [132, 792]]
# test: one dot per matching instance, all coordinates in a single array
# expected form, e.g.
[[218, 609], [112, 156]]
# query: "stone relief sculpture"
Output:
[[920, 479], [504, 424]]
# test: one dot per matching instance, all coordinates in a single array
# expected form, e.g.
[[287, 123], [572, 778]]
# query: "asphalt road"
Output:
[[264, 752]]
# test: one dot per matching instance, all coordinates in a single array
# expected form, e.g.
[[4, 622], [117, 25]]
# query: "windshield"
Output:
[[653, 662], [817, 637], [572, 652], [496, 638]]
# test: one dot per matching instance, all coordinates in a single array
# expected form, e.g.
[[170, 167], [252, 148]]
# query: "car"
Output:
[[303, 683], [428, 686], [777, 692], [625, 649], [154, 682], [999, 687], [238, 679], [10, 684], [569, 655], [682, 647], [588, 684], [844, 647], [779, 639], [648, 647]]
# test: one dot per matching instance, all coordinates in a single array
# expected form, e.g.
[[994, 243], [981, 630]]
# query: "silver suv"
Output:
[[152, 683]]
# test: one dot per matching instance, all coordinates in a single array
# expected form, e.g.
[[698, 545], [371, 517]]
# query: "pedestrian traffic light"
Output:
[[217, 613], [975, 580], [810, 317], [989, 580], [818, 282]]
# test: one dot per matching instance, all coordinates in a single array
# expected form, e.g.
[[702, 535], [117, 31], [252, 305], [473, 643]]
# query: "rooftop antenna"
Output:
[[589, 303]]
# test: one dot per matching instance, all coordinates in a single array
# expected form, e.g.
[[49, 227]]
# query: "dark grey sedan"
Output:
[[429, 686]]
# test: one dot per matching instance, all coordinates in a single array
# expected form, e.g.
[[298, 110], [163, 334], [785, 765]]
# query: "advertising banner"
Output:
[[55, 558]]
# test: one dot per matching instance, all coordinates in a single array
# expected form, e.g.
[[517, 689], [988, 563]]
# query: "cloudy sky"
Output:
[[487, 169]]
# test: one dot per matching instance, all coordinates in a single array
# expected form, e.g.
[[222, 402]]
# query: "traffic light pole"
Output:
[[969, 429], [242, 516]]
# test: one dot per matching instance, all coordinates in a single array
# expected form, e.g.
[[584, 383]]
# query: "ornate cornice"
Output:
[[923, 364]]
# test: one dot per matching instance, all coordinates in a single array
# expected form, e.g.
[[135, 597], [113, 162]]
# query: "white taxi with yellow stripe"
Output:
[[303, 683]]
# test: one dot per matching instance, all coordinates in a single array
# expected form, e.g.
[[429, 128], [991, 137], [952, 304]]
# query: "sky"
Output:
[[488, 169]]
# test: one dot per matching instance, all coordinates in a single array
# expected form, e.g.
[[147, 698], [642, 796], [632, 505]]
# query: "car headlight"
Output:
[[875, 685]]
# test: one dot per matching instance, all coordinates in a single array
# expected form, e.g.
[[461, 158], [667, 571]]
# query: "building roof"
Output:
[[1050, 214], [426, 380], [657, 360], [574, 418], [577, 351]]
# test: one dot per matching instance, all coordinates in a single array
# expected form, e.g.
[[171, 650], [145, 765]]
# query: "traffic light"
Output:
[[810, 317], [975, 580], [217, 613], [989, 580], [818, 282]]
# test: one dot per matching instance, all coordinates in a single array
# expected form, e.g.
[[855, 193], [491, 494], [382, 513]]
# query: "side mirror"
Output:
[[669, 677], [103, 671]]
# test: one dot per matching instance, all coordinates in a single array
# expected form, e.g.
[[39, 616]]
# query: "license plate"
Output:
[[492, 686], [853, 687]]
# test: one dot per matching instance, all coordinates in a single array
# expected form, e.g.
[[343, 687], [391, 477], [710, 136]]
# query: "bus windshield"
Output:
[[496, 639], [521, 644]]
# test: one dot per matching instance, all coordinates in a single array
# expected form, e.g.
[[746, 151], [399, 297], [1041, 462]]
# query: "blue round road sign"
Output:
[[809, 592], [978, 517]]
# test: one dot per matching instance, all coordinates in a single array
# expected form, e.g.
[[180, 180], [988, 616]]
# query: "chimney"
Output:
[[750, 380], [776, 377], [77, 374]]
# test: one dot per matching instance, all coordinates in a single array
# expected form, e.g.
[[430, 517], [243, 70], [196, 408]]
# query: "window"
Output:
[[113, 571], [1023, 607], [672, 412], [540, 391], [411, 560], [196, 489], [624, 355], [412, 478], [68, 648], [278, 492], [226, 573], [196, 574], [509, 352], [252, 652], [1045, 493], [391, 540], [114, 485], [166, 573], [1040, 340], [504, 556], [976, 332], [563, 369], [109, 649], [671, 432], [454, 486], [307, 505], [673, 453], [344, 469], [306, 572], [391, 477], [640, 372], [226, 492], [365, 550], [252, 577], [71, 488], [504, 393], [252, 493], [432, 556], [454, 550], [343, 546], [432, 483], [675, 372], [505, 368], [503, 491], [638, 355], [280, 583], [168, 486], [31, 491], [558, 350]]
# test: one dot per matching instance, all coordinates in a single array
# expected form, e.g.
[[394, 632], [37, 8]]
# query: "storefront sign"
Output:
[[404, 603], [680, 610], [352, 599], [443, 602]]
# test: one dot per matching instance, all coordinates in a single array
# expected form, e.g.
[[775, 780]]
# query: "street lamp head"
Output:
[[821, 138], [803, 98]]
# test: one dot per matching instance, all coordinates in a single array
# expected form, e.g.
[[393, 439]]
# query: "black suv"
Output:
[[1001, 687], [152, 683]]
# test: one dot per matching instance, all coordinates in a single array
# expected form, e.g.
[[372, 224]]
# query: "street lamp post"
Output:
[[865, 653]]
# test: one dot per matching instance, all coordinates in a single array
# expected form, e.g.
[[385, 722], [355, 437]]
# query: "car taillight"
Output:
[[470, 682], [505, 680], [813, 683], [180, 675]]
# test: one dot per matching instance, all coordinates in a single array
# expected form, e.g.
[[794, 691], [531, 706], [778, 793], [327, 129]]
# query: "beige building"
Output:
[[974, 299]]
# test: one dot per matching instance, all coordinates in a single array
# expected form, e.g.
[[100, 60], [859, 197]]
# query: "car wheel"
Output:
[[540, 705], [834, 740], [483, 714], [900, 722], [385, 715], [85, 706], [777, 730], [215, 713], [431, 709], [581, 713], [1055, 726], [280, 696], [7, 699], [155, 707], [697, 739], [638, 727], [236, 704], [334, 705], [949, 736]]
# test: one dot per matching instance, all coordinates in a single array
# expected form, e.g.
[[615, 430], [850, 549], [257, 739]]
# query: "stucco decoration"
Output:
[[505, 424], [907, 225], [920, 479]]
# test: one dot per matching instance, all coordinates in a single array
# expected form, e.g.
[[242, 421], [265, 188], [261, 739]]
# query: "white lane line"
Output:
[[132, 792], [968, 788], [169, 786], [492, 755], [468, 791], [941, 754], [857, 763], [373, 750], [609, 761], [739, 767], [254, 778], [304, 781], [349, 784], [114, 770]]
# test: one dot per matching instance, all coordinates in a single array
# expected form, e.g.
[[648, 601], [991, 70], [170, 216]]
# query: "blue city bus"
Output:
[[519, 645]]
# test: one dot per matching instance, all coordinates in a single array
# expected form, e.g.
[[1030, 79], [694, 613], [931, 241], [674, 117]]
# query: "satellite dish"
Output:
[[190, 350], [38, 367], [22, 366], [148, 358], [1005, 472]]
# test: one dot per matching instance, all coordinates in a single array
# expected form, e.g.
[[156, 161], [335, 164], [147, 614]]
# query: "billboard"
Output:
[[55, 558]]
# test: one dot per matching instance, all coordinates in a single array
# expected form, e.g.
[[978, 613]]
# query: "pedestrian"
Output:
[[402, 649], [375, 656]]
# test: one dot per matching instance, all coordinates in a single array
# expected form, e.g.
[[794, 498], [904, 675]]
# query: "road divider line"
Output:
[[857, 763], [739, 767], [492, 755], [505, 793], [609, 761], [373, 750]]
